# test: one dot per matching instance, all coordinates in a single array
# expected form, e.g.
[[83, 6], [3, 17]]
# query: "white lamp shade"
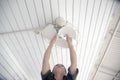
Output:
[[67, 30], [61, 42], [49, 31]]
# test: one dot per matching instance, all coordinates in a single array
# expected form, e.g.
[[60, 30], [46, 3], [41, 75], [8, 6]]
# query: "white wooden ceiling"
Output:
[[21, 50]]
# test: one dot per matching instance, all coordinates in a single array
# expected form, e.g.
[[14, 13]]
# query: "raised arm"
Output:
[[73, 56], [46, 65]]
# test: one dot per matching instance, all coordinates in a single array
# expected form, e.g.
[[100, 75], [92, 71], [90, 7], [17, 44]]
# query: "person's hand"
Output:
[[53, 40], [69, 40]]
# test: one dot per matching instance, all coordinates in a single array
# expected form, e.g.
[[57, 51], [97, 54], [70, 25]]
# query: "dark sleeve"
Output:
[[46, 75], [71, 76]]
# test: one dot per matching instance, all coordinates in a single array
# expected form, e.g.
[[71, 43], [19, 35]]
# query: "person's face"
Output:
[[59, 69]]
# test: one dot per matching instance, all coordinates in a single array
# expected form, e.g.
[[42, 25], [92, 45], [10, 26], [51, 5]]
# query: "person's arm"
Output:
[[46, 65], [73, 56]]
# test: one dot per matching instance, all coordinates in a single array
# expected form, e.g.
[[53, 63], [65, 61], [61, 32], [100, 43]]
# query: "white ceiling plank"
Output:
[[4, 72], [10, 68], [24, 13], [6, 9], [108, 19], [4, 21], [14, 59], [37, 49], [39, 13], [70, 6], [90, 19], [31, 10], [89, 16], [76, 13], [113, 56], [15, 53], [107, 15], [97, 6], [16, 13], [2, 77], [62, 8], [47, 11], [54, 9], [31, 53], [9, 62], [25, 55], [1, 27]]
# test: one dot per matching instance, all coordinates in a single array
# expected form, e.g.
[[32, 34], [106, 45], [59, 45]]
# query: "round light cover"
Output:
[[49, 31]]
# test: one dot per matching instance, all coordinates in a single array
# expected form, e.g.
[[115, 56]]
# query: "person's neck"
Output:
[[59, 77]]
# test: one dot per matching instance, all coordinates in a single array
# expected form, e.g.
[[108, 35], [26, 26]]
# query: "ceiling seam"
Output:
[[10, 25], [17, 50], [91, 18], [95, 23], [10, 65], [110, 13], [14, 55], [7, 71], [5, 15], [78, 25], [29, 35], [101, 24], [116, 27], [83, 35], [35, 34], [3, 77]]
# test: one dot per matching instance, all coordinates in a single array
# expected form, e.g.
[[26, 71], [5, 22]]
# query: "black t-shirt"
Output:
[[50, 76]]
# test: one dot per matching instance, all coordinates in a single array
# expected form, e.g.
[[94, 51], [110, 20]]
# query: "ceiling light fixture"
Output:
[[61, 28]]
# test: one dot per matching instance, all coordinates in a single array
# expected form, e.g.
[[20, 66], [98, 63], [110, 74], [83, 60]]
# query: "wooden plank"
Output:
[[46, 7], [17, 54], [5, 73], [62, 8], [24, 53], [54, 9], [6, 9], [30, 52], [70, 6], [24, 14], [31, 12], [39, 12], [4, 21], [10, 68], [16, 13]]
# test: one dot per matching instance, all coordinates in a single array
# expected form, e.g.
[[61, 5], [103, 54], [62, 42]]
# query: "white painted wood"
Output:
[[6, 9], [16, 13], [39, 12], [4, 21], [69, 9], [62, 8], [54, 8], [47, 9], [24, 13], [90, 20], [16, 53], [5, 73]]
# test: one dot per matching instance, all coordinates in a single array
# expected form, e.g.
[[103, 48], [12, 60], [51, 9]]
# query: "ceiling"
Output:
[[96, 23]]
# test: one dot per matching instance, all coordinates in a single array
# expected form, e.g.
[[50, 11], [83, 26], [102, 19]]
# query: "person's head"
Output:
[[59, 69]]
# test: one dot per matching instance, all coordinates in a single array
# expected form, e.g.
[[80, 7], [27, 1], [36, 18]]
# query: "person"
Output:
[[59, 71]]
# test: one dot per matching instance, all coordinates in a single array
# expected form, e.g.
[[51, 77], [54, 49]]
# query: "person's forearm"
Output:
[[47, 54], [46, 65], [73, 56]]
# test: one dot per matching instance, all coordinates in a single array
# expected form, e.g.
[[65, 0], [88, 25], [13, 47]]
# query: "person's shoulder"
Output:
[[47, 76], [71, 76]]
